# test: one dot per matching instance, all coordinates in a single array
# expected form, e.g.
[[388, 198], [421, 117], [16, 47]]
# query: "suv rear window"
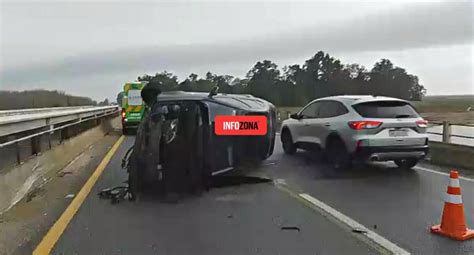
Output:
[[386, 109]]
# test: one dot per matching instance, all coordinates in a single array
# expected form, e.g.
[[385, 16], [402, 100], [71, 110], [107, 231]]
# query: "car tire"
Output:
[[406, 163], [287, 141], [337, 155]]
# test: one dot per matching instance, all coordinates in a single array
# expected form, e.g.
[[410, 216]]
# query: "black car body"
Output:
[[176, 144]]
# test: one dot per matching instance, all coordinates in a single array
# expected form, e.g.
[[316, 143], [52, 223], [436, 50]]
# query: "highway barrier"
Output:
[[25, 133], [47, 143], [449, 154], [452, 144]]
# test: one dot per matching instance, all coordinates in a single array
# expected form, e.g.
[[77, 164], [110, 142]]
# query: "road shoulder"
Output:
[[23, 226]]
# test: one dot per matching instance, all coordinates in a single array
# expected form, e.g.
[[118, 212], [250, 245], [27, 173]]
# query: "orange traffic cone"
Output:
[[453, 223]]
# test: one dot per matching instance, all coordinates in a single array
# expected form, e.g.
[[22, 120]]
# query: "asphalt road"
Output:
[[246, 219], [399, 205]]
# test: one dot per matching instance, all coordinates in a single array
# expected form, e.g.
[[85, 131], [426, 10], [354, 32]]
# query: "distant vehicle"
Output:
[[177, 135], [132, 105], [358, 128]]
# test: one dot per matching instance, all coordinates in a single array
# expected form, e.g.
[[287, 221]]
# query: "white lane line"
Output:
[[441, 173], [222, 171], [391, 247]]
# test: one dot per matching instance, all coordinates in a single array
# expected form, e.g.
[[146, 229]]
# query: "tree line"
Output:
[[296, 85], [42, 98]]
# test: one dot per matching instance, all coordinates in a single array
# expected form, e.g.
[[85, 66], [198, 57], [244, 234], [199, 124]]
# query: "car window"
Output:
[[330, 109], [311, 111], [386, 109], [219, 109]]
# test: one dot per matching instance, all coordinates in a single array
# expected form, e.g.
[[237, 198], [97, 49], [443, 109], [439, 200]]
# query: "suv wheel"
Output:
[[406, 163], [287, 141], [337, 154]]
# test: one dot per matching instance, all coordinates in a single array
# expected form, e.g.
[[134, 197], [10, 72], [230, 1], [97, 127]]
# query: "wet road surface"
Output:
[[399, 205], [245, 219]]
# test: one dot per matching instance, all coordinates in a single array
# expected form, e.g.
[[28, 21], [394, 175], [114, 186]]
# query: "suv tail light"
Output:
[[422, 123], [358, 125]]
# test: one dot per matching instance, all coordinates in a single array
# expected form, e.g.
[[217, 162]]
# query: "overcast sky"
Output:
[[91, 48]]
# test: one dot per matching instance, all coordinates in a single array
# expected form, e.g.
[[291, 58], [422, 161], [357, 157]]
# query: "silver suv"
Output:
[[358, 128]]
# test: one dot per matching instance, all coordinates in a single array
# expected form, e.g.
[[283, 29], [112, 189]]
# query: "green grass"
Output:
[[445, 103], [431, 104]]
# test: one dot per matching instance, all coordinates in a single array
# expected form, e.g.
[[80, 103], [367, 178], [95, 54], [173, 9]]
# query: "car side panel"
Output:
[[316, 130], [296, 129]]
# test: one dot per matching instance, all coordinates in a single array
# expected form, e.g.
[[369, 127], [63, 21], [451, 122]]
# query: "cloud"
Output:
[[408, 27]]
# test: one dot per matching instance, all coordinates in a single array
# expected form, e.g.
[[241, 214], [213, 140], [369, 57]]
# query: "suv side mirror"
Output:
[[295, 116]]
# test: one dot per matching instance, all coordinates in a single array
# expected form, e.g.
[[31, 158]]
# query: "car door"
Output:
[[326, 122], [308, 118]]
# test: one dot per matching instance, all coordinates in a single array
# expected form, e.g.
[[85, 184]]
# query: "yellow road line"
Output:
[[55, 232]]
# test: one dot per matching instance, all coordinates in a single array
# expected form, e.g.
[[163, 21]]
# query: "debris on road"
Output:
[[63, 173], [115, 194], [291, 228], [360, 231], [35, 192], [69, 196]]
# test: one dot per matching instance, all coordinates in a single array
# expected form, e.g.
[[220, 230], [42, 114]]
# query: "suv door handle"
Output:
[[327, 124]]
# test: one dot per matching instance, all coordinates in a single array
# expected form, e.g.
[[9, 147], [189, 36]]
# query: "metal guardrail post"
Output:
[[17, 150], [446, 132]]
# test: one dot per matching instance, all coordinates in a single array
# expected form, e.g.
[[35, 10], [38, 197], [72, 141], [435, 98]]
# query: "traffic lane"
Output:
[[243, 219], [399, 204], [465, 173]]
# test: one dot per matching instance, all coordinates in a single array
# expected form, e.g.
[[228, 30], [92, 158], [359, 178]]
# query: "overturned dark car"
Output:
[[176, 149]]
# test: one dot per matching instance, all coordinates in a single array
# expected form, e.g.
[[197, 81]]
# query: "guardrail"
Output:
[[20, 123], [447, 132], [39, 110], [25, 133]]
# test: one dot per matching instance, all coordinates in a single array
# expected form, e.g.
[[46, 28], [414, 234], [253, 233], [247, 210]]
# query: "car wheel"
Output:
[[287, 141], [337, 154], [406, 163]]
